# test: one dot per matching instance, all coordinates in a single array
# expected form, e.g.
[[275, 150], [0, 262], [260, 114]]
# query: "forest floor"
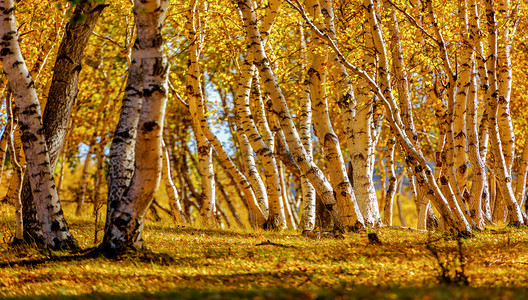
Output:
[[192, 263]]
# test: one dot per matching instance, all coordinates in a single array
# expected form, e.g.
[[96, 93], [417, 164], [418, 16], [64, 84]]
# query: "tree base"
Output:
[[358, 227], [272, 224], [515, 224]]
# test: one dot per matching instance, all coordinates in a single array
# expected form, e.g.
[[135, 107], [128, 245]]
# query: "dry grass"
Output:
[[201, 263]]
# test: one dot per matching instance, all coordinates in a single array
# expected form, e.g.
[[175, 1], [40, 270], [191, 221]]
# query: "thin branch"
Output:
[[270, 243], [175, 93], [414, 22], [110, 40]]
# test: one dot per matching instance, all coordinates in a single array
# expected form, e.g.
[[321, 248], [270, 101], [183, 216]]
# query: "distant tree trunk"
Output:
[[100, 158], [196, 108], [55, 231], [172, 192], [391, 190], [62, 167], [84, 181], [346, 215], [15, 138], [398, 200], [308, 220], [18, 168], [3, 149], [229, 202], [500, 165], [288, 211], [520, 188], [148, 79], [276, 218]]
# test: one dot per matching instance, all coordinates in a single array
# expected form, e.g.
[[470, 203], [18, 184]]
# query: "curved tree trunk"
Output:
[[307, 222], [199, 124], [347, 214], [172, 192], [500, 165], [61, 97], [276, 218], [55, 231], [125, 227]]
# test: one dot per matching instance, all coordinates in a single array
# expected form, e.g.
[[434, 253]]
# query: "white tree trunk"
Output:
[[126, 222], [414, 158], [307, 222], [54, 227], [391, 190], [504, 81], [478, 192], [199, 124], [500, 166], [347, 214], [276, 217], [483, 135], [459, 111], [172, 192]]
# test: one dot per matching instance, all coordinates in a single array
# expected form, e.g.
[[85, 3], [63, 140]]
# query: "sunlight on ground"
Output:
[[196, 263]]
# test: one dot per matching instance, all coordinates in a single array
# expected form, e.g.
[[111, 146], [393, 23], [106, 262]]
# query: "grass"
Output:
[[193, 263]]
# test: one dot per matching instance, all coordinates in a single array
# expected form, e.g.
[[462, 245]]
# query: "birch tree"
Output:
[[148, 86], [196, 108], [61, 97], [345, 214], [55, 231]]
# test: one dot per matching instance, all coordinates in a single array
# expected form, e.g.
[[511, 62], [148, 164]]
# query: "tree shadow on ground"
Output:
[[357, 292], [91, 253]]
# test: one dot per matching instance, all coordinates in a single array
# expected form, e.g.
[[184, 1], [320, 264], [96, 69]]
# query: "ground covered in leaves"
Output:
[[190, 263]]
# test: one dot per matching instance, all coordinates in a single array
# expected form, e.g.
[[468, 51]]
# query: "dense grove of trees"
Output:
[[273, 114]]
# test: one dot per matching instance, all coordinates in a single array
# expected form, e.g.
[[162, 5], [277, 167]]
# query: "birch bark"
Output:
[[500, 165], [483, 133], [504, 82], [199, 124], [307, 222], [126, 222], [478, 193], [347, 214], [452, 214], [61, 97], [172, 192], [362, 135], [276, 218], [56, 234], [463, 81]]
